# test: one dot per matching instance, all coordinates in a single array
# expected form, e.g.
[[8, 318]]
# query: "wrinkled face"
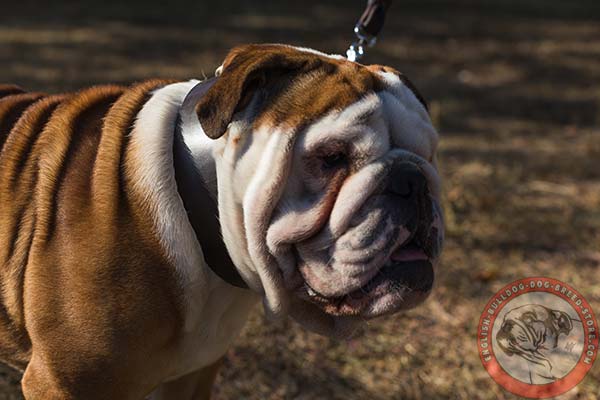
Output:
[[328, 187], [532, 329], [359, 214]]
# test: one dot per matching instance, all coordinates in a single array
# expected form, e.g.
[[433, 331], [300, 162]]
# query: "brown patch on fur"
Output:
[[11, 108], [78, 256], [296, 86], [17, 184]]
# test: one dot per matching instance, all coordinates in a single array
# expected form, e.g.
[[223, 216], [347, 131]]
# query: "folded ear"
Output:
[[403, 78], [245, 70], [562, 321]]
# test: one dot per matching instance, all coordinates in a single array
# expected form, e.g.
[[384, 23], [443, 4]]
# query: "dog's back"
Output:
[[61, 198]]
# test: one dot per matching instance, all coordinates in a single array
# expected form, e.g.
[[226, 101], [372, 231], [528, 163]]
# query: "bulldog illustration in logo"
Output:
[[538, 337], [532, 332]]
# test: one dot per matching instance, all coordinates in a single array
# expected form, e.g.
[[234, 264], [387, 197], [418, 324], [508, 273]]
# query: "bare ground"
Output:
[[514, 88]]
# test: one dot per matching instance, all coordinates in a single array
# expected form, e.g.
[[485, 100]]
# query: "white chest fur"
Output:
[[215, 311]]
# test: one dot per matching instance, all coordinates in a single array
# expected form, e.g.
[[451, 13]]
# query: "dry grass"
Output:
[[515, 92]]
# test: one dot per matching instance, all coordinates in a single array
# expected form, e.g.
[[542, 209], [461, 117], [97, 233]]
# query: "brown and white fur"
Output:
[[105, 291]]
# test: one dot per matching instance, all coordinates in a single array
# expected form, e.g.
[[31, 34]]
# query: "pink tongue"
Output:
[[408, 254]]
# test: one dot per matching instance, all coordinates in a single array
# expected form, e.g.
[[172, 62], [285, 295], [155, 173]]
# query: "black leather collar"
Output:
[[202, 209]]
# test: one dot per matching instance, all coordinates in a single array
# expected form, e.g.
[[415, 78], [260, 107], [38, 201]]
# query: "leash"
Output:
[[367, 28]]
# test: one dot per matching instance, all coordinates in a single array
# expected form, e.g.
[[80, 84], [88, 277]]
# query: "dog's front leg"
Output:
[[194, 386]]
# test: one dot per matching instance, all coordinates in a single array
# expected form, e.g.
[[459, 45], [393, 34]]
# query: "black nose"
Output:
[[407, 181]]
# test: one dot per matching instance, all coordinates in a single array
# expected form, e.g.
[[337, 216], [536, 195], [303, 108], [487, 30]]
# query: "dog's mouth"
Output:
[[377, 267], [404, 281]]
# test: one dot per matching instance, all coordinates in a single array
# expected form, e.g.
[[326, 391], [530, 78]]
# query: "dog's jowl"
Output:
[[322, 172]]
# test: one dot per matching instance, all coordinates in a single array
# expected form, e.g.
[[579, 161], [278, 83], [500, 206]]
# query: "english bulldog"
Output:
[[119, 282], [532, 332]]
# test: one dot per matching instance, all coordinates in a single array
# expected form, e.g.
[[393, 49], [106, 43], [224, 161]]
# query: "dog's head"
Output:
[[532, 330], [328, 185]]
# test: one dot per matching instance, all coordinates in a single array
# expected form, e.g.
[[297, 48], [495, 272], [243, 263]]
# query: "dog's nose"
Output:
[[407, 181]]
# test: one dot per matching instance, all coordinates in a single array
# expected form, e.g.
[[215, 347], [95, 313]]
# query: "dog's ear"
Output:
[[562, 321], [245, 70], [504, 337], [403, 78], [414, 89]]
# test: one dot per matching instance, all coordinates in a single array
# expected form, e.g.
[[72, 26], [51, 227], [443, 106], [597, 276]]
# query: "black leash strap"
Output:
[[368, 27]]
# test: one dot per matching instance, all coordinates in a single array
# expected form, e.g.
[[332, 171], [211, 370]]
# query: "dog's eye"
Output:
[[334, 161]]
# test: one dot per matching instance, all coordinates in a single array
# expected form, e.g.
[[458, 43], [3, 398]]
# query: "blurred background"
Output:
[[514, 90]]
